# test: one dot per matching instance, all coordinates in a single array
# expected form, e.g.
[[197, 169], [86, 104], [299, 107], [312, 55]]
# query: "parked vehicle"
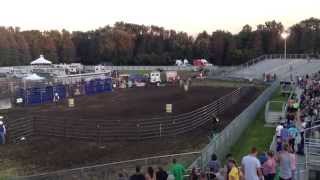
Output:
[[155, 77], [201, 63], [171, 76], [184, 62]]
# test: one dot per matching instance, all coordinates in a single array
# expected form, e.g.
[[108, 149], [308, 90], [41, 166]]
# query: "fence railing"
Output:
[[20, 128], [222, 142], [312, 147], [146, 68], [110, 171], [132, 129], [268, 56]]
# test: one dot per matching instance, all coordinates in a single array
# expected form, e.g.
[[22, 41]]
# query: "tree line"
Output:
[[132, 44]]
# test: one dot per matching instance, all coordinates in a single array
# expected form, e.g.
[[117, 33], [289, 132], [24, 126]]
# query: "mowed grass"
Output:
[[278, 97], [256, 134]]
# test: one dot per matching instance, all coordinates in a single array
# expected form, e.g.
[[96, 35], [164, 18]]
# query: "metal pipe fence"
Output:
[[222, 142], [146, 68], [219, 145], [130, 129], [110, 171], [312, 147]]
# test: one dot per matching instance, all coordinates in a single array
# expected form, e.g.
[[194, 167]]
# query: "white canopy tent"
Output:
[[33, 77], [41, 61]]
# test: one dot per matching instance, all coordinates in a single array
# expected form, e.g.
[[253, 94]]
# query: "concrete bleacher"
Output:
[[282, 68]]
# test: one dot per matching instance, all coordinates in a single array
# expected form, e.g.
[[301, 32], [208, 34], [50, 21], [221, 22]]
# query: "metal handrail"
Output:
[[106, 165]]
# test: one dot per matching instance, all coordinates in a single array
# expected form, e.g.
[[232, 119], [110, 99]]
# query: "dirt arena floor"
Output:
[[49, 154], [130, 103]]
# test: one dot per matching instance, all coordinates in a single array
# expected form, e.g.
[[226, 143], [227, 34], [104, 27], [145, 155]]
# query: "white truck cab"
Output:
[[155, 77]]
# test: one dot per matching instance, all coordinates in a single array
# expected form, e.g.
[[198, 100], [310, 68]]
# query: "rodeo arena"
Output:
[[71, 121]]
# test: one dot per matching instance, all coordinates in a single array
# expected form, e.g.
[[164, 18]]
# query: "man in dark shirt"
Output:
[[161, 174], [138, 175]]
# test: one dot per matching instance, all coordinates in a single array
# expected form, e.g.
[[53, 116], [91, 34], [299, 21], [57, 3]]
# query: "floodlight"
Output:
[[284, 35]]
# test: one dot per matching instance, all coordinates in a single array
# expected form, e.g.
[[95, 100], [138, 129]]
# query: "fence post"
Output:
[[33, 125], [65, 128], [201, 160], [98, 129]]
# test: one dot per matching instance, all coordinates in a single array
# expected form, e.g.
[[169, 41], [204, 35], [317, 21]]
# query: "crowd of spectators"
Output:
[[176, 172]]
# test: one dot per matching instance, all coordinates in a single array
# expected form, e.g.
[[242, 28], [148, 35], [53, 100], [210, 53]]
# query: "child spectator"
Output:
[[234, 173], [269, 167], [214, 166], [194, 174]]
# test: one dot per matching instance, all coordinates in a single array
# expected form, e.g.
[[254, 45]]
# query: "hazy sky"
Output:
[[191, 16]]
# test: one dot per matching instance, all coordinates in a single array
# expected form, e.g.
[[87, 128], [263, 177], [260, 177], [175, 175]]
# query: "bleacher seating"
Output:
[[282, 68]]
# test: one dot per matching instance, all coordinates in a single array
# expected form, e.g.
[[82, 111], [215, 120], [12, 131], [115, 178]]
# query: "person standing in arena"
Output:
[[56, 97], [3, 131]]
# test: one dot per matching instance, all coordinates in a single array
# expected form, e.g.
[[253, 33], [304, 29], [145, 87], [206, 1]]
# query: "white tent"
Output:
[[41, 61], [33, 77]]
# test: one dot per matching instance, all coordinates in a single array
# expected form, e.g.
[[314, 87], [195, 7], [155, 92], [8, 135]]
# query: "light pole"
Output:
[[284, 36]]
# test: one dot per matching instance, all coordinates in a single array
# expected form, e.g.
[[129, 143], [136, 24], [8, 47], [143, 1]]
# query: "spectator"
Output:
[[121, 177], [251, 166], [150, 175], [170, 177], [214, 166], [278, 129], [203, 176], [279, 145], [301, 144], [262, 157], [269, 167], [161, 174], [234, 173], [220, 174], [285, 164], [293, 161], [228, 165], [293, 134], [194, 174], [177, 170], [2, 131], [138, 175], [284, 134]]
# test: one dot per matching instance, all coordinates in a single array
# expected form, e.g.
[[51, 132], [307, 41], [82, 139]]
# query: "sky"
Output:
[[192, 16]]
